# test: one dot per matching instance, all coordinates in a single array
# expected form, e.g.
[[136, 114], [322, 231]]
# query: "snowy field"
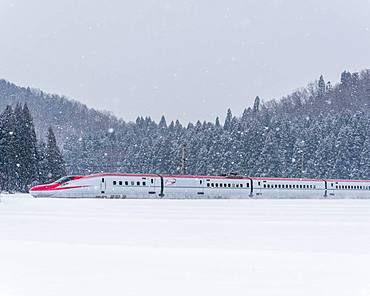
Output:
[[184, 247]]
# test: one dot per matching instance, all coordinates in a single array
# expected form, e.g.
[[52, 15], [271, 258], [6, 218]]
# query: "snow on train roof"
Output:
[[220, 177], [120, 175], [343, 180]]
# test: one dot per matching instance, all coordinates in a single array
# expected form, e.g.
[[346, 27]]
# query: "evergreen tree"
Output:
[[56, 166], [229, 117], [321, 86], [256, 105], [8, 165]]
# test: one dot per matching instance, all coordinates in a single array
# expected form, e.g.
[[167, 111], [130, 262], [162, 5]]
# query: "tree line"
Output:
[[24, 161]]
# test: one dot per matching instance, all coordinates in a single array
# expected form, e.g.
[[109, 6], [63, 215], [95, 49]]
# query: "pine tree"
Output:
[[8, 175], [42, 164], [256, 105], [321, 86], [27, 149], [56, 166], [228, 119]]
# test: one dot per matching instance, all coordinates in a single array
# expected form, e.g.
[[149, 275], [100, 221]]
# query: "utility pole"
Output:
[[183, 159]]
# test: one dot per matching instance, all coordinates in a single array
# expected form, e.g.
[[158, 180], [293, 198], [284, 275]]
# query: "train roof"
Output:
[[228, 177], [344, 180]]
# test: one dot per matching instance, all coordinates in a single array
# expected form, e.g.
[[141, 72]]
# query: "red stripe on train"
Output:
[[54, 188]]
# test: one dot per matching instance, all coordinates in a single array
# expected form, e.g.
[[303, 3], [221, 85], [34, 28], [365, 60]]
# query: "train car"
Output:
[[288, 188], [343, 188], [206, 187], [120, 185]]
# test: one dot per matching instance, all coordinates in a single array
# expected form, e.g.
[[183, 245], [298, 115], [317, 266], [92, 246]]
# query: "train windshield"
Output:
[[64, 179]]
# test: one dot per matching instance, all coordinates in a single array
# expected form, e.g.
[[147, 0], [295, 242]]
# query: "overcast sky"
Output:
[[185, 59]]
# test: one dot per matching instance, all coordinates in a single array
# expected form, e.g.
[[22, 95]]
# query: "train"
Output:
[[230, 186]]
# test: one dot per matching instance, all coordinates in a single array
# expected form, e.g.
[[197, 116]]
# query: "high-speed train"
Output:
[[121, 185]]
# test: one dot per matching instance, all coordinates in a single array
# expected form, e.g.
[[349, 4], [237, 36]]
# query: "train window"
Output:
[[126, 183], [229, 185], [138, 183], [279, 185], [216, 184], [207, 184], [336, 186], [152, 181], [102, 180], [144, 183], [283, 186], [114, 182], [241, 185], [132, 183], [213, 185], [120, 183], [200, 181], [237, 185], [259, 183]]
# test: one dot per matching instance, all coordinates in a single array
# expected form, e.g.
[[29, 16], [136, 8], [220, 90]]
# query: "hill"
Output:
[[320, 131], [67, 117]]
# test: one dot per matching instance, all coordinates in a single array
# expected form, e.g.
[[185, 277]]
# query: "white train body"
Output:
[[110, 185]]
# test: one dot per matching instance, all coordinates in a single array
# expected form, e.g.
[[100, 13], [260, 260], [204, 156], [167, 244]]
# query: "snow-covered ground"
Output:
[[184, 247]]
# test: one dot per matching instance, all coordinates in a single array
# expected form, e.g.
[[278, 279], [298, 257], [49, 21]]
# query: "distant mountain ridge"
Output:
[[67, 117]]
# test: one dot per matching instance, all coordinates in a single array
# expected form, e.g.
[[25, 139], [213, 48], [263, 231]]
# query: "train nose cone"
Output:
[[41, 191]]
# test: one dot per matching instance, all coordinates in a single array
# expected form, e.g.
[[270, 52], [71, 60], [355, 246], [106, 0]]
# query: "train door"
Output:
[[152, 192], [257, 188], [200, 189], [331, 190], [103, 187]]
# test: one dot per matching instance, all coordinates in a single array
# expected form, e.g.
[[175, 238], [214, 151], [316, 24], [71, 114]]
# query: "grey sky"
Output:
[[185, 59]]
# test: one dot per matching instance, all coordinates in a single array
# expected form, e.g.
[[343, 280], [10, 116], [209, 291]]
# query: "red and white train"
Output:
[[119, 185]]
